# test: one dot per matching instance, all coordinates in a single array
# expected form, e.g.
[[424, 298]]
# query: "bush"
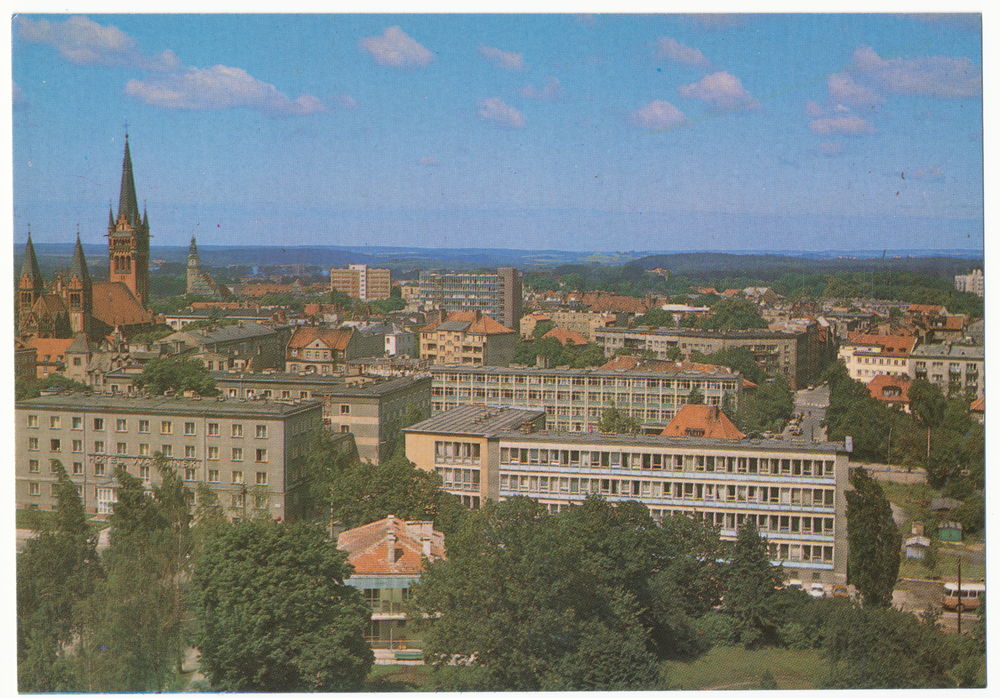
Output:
[[718, 628]]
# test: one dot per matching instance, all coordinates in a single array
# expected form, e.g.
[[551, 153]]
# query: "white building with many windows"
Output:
[[251, 454]]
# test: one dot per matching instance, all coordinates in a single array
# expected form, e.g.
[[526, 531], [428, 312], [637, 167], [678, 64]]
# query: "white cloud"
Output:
[[505, 59], [658, 114], [430, 162], [841, 125], [551, 90], [843, 89], [927, 174], [347, 102], [721, 90], [841, 109], [495, 110], [674, 50], [936, 76], [814, 110], [831, 150], [20, 101], [83, 41], [220, 87], [394, 48]]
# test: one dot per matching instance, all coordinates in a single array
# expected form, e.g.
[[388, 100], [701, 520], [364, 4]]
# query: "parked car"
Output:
[[840, 591], [817, 591], [794, 584]]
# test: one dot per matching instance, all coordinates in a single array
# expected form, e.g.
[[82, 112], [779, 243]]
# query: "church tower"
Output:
[[194, 267], [30, 285], [128, 238], [79, 292]]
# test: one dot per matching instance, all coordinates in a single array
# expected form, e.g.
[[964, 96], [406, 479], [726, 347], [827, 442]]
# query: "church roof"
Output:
[[49, 304], [127, 203], [115, 304], [193, 249], [30, 264], [79, 266], [81, 345]]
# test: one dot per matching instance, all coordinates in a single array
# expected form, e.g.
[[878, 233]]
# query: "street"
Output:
[[811, 404]]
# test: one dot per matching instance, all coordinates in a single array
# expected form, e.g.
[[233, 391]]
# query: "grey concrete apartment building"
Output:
[[575, 399], [495, 294], [251, 454], [793, 491], [958, 369]]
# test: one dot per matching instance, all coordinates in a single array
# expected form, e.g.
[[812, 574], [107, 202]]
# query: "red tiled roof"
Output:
[[979, 405], [610, 303], [566, 337], [702, 420], [954, 322], [333, 338], [925, 309], [879, 385], [367, 546], [115, 304], [891, 345], [49, 304], [484, 325], [49, 349]]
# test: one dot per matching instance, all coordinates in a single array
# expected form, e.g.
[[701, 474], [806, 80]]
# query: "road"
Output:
[[811, 404]]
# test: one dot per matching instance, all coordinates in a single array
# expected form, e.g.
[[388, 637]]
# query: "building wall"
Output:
[[497, 295], [462, 461], [955, 369], [447, 347], [864, 362], [361, 281], [583, 323], [243, 455], [575, 400]]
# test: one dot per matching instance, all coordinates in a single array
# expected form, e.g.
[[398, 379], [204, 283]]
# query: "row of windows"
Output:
[[456, 452], [460, 478], [592, 381], [121, 449], [797, 467], [560, 396], [166, 426], [691, 491], [143, 472]]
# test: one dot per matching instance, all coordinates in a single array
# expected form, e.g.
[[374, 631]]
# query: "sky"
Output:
[[593, 132]]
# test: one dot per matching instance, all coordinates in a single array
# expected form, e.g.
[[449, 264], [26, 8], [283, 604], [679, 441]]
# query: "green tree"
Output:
[[363, 492], [738, 359], [57, 381], [751, 581], [274, 613], [733, 314], [57, 571], [326, 460], [873, 539], [655, 317], [618, 421], [167, 373]]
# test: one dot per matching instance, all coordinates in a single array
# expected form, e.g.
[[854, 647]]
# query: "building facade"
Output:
[[497, 295], [973, 282], [360, 281], [468, 339], [870, 355], [793, 491], [199, 283], [575, 399], [251, 454], [958, 369]]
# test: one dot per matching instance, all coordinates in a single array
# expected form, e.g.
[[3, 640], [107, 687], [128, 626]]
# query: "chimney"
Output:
[[391, 545], [426, 543]]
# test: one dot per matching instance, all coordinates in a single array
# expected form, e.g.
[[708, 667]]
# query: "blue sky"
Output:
[[603, 132]]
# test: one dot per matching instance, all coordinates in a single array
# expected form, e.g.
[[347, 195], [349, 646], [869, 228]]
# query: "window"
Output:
[[33, 443], [121, 448], [55, 422], [166, 427], [237, 501], [237, 431], [99, 468], [144, 473], [303, 394], [77, 468], [189, 452], [213, 475], [345, 409], [261, 478], [33, 466], [237, 454], [213, 428], [143, 426], [77, 446], [237, 477], [167, 450], [262, 455], [143, 449], [261, 431], [98, 424], [33, 421], [33, 489], [55, 445], [190, 474], [121, 425], [344, 429], [189, 428], [78, 422], [213, 453]]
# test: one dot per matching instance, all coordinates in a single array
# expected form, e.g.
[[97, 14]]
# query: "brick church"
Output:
[[74, 304]]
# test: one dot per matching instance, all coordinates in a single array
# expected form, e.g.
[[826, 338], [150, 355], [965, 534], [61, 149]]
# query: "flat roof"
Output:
[[160, 404], [333, 385], [476, 420], [722, 372], [586, 438], [684, 332]]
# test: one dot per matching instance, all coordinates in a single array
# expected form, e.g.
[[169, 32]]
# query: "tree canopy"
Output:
[[733, 314], [166, 373], [274, 614], [874, 541], [618, 421]]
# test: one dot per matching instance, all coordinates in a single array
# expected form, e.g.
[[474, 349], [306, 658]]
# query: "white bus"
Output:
[[968, 599]]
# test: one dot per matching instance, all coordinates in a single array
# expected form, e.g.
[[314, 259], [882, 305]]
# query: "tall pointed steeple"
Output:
[[79, 292], [127, 203], [30, 268], [79, 266]]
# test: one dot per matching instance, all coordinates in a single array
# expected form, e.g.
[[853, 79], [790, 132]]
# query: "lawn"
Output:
[[737, 668], [23, 519], [401, 678]]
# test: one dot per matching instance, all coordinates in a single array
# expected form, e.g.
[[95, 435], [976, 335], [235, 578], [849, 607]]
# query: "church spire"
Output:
[[193, 249], [127, 203], [30, 266], [79, 266]]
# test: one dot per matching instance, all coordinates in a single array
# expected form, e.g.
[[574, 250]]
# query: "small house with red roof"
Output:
[[388, 558], [568, 338], [706, 421], [893, 390], [467, 338]]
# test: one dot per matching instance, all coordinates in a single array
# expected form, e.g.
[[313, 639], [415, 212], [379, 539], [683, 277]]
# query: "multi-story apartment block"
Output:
[[497, 295], [575, 399], [793, 491], [469, 339], [780, 354], [251, 454], [973, 282], [870, 355], [956, 368], [582, 322], [360, 281]]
